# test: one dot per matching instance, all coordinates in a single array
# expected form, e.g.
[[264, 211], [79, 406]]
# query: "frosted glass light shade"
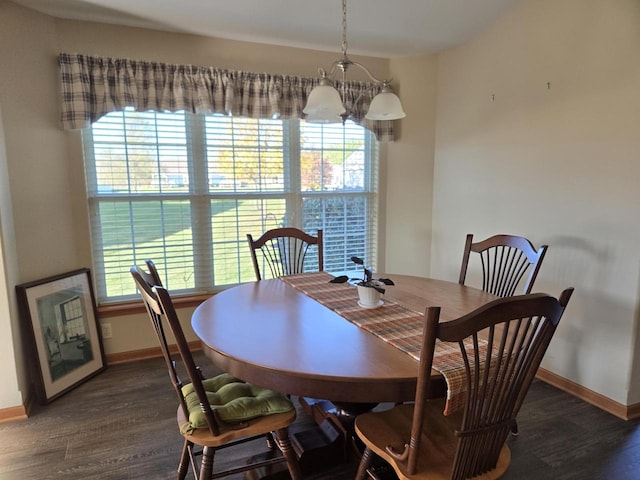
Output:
[[324, 103], [318, 118], [385, 106]]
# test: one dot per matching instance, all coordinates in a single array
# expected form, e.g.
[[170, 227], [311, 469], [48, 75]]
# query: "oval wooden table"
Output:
[[270, 334]]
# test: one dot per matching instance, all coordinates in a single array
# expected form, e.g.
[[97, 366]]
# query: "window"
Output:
[[185, 189], [72, 318]]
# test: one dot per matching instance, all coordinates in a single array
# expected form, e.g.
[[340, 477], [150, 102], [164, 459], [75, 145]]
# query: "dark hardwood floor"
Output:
[[121, 425]]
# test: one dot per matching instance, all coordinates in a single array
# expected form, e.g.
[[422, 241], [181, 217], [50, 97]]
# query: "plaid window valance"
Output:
[[94, 86]]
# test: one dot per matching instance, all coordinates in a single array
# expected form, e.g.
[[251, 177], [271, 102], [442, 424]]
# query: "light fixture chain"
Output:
[[344, 28], [329, 100]]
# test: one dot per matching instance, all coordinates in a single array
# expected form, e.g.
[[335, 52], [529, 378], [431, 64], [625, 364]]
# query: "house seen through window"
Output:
[[184, 190]]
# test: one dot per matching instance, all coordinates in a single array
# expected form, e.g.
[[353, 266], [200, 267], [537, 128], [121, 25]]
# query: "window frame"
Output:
[[199, 197]]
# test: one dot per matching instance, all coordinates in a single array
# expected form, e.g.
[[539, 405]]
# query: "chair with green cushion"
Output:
[[219, 412]]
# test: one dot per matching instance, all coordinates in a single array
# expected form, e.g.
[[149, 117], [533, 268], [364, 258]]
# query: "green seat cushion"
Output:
[[234, 401]]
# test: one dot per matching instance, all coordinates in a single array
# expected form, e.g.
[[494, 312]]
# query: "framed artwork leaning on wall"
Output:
[[63, 341]]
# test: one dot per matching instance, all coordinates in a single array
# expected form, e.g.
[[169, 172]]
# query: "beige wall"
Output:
[[35, 205], [44, 163], [10, 341], [560, 166], [566, 156], [409, 171]]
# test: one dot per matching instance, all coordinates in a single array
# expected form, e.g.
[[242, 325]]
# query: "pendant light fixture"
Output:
[[326, 104]]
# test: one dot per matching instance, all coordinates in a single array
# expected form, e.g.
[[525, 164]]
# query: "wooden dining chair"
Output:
[[218, 412], [501, 345], [153, 271], [285, 251], [505, 260]]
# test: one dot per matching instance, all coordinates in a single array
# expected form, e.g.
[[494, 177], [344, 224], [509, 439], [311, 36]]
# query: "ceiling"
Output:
[[381, 28]]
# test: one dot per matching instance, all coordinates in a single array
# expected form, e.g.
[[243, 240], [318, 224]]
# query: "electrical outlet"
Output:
[[106, 330]]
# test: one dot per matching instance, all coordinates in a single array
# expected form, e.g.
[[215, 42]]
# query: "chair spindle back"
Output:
[[505, 260], [502, 345], [285, 251]]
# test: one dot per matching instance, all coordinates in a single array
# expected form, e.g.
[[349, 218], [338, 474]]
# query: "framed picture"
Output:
[[61, 329]]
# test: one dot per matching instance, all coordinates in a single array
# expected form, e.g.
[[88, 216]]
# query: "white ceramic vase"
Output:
[[369, 297]]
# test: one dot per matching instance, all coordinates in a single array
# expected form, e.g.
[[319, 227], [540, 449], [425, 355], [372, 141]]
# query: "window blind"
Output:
[[184, 190]]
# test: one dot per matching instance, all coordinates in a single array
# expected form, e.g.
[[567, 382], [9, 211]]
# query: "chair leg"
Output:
[[282, 437], [365, 463], [185, 458], [206, 467]]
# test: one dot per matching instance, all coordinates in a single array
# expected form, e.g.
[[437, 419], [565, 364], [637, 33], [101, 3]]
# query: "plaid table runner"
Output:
[[392, 322]]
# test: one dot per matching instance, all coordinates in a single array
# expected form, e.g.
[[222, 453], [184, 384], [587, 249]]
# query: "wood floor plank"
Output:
[[120, 425]]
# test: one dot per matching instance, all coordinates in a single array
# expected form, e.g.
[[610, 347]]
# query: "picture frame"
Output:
[[63, 341]]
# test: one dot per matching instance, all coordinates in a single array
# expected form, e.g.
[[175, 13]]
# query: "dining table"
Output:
[[305, 336]]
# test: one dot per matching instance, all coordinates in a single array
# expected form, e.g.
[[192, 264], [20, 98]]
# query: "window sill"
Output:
[[134, 307]]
